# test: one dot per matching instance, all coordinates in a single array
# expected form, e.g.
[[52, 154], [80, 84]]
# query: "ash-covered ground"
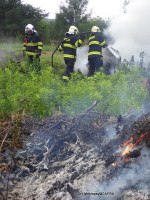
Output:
[[80, 157]]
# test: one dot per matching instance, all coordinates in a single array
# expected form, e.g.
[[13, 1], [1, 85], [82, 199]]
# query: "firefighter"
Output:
[[68, 47], [32, 46], [95, 56]]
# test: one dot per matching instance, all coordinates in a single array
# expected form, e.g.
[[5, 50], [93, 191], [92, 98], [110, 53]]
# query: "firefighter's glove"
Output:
[[38, 54], [82, 37]]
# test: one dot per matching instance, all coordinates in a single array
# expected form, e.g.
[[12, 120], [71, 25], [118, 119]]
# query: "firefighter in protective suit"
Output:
[[32, 46], [95, 56], [68, 47]]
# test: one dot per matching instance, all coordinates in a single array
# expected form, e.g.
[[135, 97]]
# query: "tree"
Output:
[[73, 13], [44, 30], [14, 16]]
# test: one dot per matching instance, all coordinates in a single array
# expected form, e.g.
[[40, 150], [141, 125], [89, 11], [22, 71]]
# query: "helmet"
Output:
[[73, 30], [29, 27], [95, 29]]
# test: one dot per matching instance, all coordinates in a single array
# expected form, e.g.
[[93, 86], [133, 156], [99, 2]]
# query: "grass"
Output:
[[40, 94], [11, 48], [48, 48], [14, 50]]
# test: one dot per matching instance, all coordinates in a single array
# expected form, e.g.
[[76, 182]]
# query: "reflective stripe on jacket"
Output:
[[32, 44], [96, 42], [69, 46]]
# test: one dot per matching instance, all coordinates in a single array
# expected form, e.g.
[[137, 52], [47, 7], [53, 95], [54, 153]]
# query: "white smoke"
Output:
[[131, 31], [81, 64], [111, 59], [137, 177]]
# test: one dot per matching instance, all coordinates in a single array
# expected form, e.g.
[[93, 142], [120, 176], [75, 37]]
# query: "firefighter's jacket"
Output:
[[32, 44], [96, 42], [69, 46]]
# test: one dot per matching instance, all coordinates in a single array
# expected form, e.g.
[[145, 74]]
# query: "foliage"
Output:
[[39, 94], [58, 27], [116, 93], [34, 93], [43, 28], [58, 64], [73, 13], [83, 26], [14, 16], [98, 21]]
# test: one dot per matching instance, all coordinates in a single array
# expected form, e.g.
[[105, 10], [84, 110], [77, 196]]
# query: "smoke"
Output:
[[110, 132], [3, 57], [111, 59], [7, 52], [131, 31], [135, 178], [81, 64]]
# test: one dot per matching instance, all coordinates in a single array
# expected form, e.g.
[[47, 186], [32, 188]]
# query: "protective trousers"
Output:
[[95, 64], [69, 68]]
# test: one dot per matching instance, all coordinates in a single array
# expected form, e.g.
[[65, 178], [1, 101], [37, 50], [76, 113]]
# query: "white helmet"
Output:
[[29, 27], [73, 30], [95, 29]]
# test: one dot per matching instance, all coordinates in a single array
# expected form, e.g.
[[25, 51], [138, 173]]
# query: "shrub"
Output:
[[38, 94]]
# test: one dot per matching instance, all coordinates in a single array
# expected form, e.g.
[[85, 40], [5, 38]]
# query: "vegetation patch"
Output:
[[38, 94]]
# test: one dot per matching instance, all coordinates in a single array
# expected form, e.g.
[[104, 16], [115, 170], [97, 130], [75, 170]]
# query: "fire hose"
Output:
[[78, 35]]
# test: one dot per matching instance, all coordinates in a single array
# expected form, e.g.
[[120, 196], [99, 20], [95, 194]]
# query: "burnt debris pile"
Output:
[[89, 156]]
